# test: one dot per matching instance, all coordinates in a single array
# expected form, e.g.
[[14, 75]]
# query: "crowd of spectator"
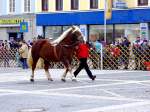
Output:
[[14, 50], [123, 53]]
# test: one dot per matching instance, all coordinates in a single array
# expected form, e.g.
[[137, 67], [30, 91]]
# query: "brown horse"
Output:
[[60, 50]]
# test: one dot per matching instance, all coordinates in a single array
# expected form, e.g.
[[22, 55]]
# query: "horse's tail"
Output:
[[30, 59]]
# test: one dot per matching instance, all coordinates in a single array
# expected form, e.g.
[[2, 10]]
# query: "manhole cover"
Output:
[[33, 110]]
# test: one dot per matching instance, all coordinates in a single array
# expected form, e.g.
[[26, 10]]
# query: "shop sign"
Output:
[[24, 27], [83, 29], [10, 21], [120, 4], [144, 30]]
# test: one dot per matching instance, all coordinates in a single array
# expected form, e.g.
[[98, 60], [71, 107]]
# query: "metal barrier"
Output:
[[110, 58]]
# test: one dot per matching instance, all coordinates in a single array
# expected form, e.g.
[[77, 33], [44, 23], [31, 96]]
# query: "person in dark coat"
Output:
[[125, 52], [82, 54]]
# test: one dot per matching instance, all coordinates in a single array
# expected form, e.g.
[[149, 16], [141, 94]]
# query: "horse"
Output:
[[60, 50]]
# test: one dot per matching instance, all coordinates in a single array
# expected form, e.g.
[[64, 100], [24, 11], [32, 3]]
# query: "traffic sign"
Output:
[[24, 27]]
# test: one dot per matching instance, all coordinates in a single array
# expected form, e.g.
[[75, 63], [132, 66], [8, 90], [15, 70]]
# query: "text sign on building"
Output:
[[24, 27], [10, 21], [120, 4], [83, 29], [144, 30]]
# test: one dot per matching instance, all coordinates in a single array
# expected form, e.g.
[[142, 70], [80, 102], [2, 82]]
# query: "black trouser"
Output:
[[83, 64]]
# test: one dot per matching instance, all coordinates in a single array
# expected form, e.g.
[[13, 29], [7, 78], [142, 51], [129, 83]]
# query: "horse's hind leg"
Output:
[[46, 67], [33, 69]]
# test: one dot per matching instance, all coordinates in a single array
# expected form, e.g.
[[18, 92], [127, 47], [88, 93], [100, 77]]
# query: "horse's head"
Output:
[[76, 35], [72, 36]]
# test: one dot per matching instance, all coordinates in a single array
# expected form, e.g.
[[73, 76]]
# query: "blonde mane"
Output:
[[59, 39]]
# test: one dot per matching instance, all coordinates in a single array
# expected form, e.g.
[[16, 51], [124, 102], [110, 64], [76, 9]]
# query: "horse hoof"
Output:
[[63, 80], [74, 80], [50, 79], [32, 80]]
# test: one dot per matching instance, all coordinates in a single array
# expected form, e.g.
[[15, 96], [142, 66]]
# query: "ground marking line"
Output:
[[87, 86], [7, 94], [143, 84], [112, 93], [114, 107], [69, 95], [101, 79]]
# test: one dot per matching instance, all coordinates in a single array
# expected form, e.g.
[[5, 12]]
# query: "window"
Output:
[[93, 4], [26, 5], [142, 2], [59, 5], [99, 32], [11, 5], [74, 4], [44, 5]]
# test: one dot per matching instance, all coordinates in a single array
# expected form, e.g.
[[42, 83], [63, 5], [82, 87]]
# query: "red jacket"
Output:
[[115, 52], [82, 51]]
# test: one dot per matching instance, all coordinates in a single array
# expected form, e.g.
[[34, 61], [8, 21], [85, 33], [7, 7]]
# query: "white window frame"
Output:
[[27, 6], [12, 6]]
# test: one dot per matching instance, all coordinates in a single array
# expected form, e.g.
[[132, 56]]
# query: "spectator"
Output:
[[24, 54], [5, 55], [115, 53], [145, 53], [96, 46], [6, 44], [137, 52], [125, 52]]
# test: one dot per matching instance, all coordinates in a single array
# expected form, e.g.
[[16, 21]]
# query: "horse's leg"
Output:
[[71, 74], [63, 78], [68, 68], [46, 67], [33, 69]]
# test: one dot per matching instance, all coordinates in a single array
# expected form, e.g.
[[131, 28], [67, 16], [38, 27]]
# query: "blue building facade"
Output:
[[123, 23]]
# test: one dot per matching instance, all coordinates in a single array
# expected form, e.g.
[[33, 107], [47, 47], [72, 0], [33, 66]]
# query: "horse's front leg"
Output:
[[71, 74], [63, 78], [46, 67]]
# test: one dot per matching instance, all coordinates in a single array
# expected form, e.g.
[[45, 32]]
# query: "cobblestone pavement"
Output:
[[112, 91]]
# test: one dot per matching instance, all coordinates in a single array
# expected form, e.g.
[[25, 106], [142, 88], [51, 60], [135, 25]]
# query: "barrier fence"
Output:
[[111, 57]]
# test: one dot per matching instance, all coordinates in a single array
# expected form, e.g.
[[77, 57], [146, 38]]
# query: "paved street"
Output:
[[113, 91]]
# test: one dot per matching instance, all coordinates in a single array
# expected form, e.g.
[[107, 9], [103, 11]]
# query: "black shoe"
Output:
[[75, 75], [93, 78]]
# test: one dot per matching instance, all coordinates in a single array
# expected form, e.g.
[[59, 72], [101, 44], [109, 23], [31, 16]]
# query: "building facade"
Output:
[[49, 18], [130, 18], [14, 12]]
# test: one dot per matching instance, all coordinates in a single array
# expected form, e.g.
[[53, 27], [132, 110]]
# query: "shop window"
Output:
[[53, 32], [11, 6], [74, 4], [94, 4], [59, 5], [142, 2], [44, 5], [27, 5], [131, 31], [99, 31]]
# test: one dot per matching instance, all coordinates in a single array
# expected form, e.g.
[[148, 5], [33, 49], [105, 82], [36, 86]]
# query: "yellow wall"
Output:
[[38, 6], [101, 4], [66, 5], [84, 5], [131, 3], [52, 5]]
